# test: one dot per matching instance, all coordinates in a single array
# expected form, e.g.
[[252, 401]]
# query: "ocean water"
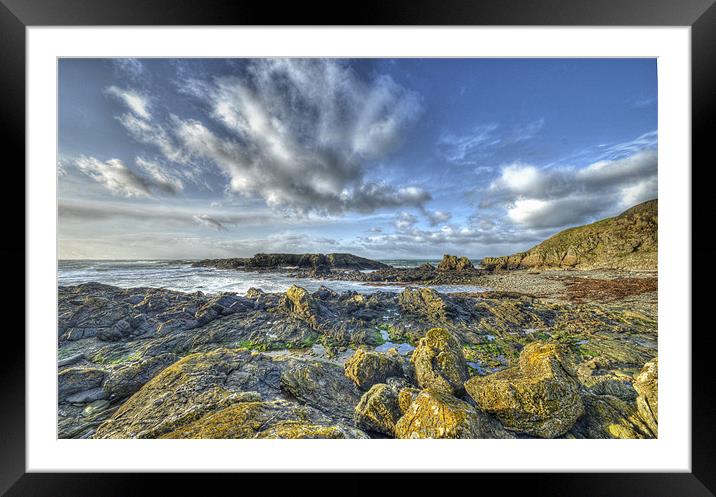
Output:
[[179, 275]]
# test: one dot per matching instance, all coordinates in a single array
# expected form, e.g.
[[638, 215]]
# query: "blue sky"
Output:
[[406, 158]]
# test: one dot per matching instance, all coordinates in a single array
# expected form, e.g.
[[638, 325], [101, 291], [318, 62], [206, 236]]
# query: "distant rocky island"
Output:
[[316, 262], [544, 352]]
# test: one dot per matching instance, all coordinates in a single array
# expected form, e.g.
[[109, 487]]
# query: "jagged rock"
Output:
[[435, 414], [368, 368], [378, 409], [301, 304], [322, 385], [254, 293], [540, 396], [87, 396], [74, 380], [646, 383], [454, 263], [264, 419], [439, 362], [427, 303]]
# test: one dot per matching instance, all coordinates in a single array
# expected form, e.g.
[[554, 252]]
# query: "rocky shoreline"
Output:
[[537, 356]]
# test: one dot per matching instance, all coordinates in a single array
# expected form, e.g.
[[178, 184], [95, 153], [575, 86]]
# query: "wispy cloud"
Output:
[[483, 140]]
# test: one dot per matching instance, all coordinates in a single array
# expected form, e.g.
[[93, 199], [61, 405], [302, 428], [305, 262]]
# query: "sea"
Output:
[[181, 276]]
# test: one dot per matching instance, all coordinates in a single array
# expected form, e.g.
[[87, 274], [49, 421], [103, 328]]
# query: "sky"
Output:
[[383, 158]]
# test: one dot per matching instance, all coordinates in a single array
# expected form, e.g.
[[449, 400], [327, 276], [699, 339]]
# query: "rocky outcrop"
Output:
[[646, 383], [539, 397], [298, 302], [439, 362], [303, 261], [367, 368], [428, 303], [455, 263], [627, 241], [435, 414]]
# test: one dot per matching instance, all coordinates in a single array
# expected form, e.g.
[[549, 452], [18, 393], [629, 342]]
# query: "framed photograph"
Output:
[[455, 238]]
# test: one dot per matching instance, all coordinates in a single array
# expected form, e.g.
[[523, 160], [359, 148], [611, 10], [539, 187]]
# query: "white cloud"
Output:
[[302, 134], [405, 221], [541, 198], [137, 103], [437, 217], [116, 177]]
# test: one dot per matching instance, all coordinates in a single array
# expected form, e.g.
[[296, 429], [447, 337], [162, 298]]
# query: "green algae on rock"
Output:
[[539, 397]]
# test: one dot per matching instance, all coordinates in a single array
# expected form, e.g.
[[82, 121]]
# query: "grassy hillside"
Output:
[[627, 241]]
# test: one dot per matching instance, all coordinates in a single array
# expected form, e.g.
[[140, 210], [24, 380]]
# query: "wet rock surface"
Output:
[[150, 363]]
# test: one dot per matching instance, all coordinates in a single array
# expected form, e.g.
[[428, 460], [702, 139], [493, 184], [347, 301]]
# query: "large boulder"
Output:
[[427, 303], [454, 263], [378, 409], [439, 362], [539, 396], [436, 414], [367, 368], [646, 383], [74, 380]]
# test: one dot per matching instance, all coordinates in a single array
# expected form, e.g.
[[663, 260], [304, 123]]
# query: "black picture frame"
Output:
[[700, 15]]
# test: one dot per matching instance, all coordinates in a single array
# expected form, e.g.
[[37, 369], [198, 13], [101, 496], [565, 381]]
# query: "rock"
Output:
[[439, 362], [435, 414], [325, 293], [454, 263], [378, 409], [74, 380], [306, 261], [298, 302], [190, 388], [71, 360], [539, 397], [607, 416], [601, 381], [264, 419], [87, 396], [126, 380], [321, 385], [427, 303], [646, 383], [254, 293], [406, 396], [95, 407], [368, 368]]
